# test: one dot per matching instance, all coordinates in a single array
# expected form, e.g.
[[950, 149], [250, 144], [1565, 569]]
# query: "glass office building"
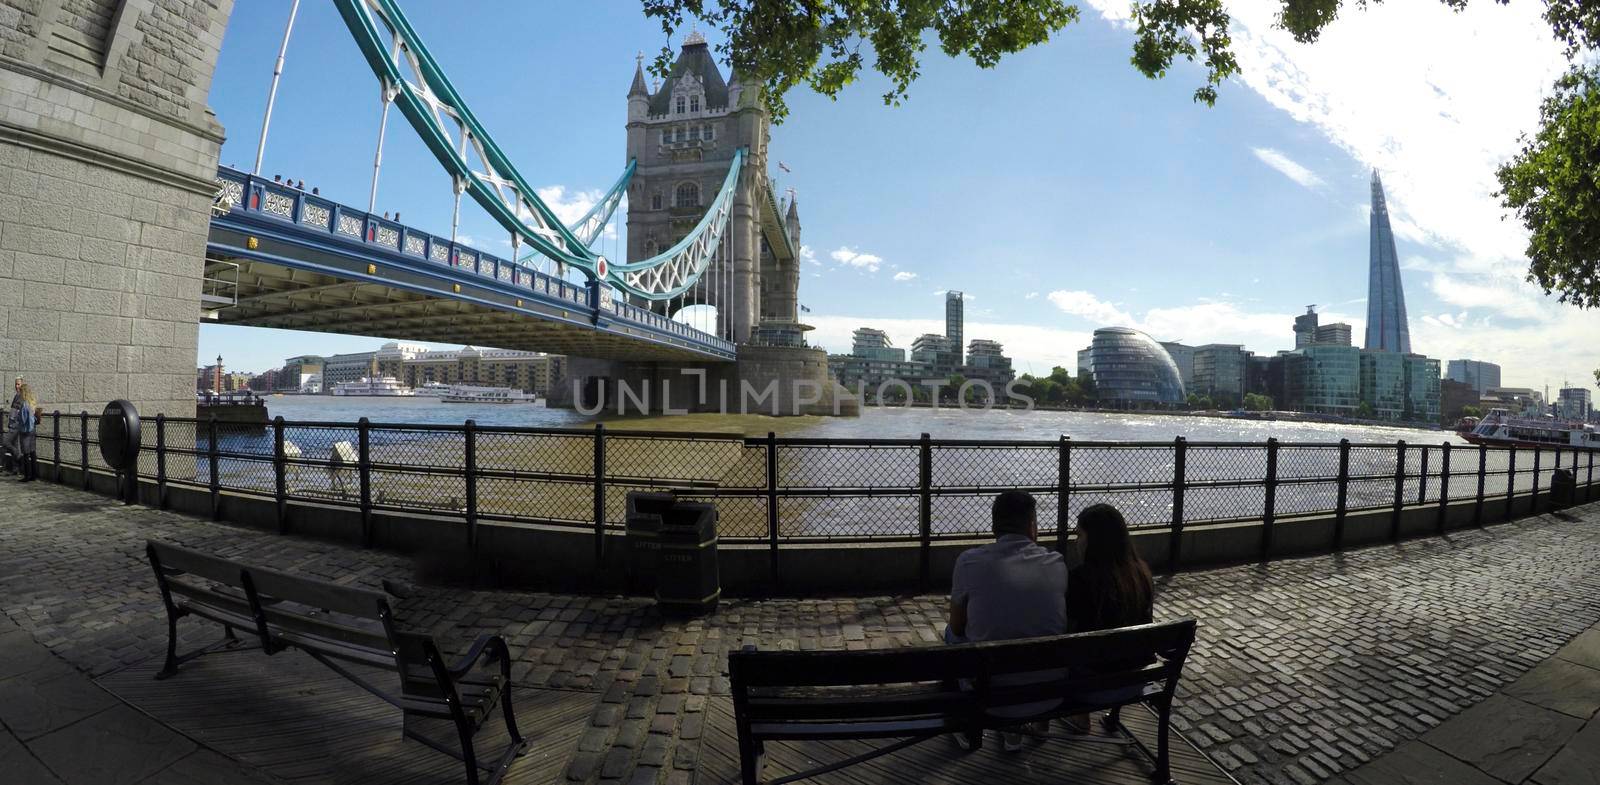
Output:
[[1387, 328], [1324, 379], [1131, 369], [1383, 384], [1422, 388]]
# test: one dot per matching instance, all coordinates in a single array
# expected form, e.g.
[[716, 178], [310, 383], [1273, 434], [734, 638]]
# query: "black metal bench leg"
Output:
[[171, 666], [750, 754], [1163, 775], [467, 755]]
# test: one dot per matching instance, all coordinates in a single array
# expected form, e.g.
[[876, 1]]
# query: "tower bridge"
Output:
[[170, 235]]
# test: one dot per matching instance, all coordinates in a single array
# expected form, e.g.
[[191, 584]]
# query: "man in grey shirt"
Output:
[[1011, 588]]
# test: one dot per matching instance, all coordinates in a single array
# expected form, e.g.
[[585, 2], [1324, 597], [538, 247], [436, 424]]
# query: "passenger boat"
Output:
[[381, 387], [1499, 428], [432, 390], [465, 393]]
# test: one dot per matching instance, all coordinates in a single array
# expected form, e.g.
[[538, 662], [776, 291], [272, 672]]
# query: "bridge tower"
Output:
[[683, 135], [108, 154]]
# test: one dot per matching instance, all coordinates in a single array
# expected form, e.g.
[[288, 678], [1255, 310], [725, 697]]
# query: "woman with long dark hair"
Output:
[[1111, 588]]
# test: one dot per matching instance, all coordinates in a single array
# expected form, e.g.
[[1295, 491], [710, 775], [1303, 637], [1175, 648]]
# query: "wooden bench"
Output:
[[340, 626], [916, 694]]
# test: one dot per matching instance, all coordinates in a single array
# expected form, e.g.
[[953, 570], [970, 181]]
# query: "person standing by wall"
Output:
[[10, 451], [27, 428]]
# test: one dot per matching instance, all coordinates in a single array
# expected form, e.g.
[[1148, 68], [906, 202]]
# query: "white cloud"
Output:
[[808, 255], [1031, 296], [1406, 89], [904, 276], [1090, 307], [1287, 167], [850, 257]]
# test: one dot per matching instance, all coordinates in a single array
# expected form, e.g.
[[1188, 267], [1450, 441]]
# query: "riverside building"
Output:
[[1480, 375], [1131, 370]]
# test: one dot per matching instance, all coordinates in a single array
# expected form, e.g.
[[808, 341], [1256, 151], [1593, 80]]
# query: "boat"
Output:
[[1499, 428], [432, 390], [1466, 424], [369, 387], [466, 393]]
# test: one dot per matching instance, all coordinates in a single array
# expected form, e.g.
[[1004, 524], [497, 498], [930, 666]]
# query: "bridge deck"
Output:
[[307, 263]]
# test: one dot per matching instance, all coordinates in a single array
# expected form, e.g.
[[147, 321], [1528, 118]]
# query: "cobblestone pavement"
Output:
[[1304, 669]]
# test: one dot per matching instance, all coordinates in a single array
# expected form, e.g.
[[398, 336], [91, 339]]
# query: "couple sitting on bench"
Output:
[[1015, 588]]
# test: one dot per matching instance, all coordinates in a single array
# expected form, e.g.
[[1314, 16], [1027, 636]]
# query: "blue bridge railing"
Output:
[[247, 193]]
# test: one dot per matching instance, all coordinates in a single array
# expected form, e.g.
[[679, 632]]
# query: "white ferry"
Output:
[[433, 390], [381, 387], [1499, 428], [464, 393]]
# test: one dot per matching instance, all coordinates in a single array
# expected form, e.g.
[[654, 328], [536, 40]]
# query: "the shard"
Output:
[[1386, 300]]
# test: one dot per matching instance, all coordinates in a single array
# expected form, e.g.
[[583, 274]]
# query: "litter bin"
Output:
[[642, 524], [687, 576], [1563, 489]]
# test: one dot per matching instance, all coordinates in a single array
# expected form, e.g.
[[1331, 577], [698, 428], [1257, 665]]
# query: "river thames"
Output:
[[874, 423]]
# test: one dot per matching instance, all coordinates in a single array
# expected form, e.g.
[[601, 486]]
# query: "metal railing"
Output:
[[778, 491]]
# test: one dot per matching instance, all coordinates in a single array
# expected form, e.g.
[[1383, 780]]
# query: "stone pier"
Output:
[[107, 158]]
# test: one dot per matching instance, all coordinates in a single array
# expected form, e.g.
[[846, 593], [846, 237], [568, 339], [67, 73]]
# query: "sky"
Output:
[[1061, 190]]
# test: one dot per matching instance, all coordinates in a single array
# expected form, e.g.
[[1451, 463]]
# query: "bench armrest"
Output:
[[492, 645]]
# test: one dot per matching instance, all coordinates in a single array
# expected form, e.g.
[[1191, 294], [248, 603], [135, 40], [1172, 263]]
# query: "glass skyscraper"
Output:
[[1387, 330], [1132, 370]]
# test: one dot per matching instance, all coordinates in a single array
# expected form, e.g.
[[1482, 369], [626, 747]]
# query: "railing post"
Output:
[[1269, 504], [469, 464], [924, 512], [214, 482], [1399, 489], [1511, 480], [55, 438], [1340, 507], [1444, 485], [1483, 471], [599, 495], [1063, 492], [364, 471], [1422, 479], [1180, 452], [161, 461], [1533, 500], [83, 448], [1589, 491], [280, 475], [772, 508]]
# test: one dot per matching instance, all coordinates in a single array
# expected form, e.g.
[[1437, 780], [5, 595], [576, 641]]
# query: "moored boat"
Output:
[[1499, 428], [380, 387], [466, 393]]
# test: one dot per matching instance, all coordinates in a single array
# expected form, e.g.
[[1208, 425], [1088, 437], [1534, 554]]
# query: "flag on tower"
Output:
[[805, 309], [784, 167]]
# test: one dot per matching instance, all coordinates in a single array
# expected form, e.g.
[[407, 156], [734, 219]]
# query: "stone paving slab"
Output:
[[1304, 669], [1560, 685], [1578, 763], [1505, 737]]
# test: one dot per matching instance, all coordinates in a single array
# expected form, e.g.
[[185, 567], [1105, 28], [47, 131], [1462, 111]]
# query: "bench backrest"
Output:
[[884, 684], [173, 559]]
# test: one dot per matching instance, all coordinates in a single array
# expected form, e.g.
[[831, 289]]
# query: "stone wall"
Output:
[[107, 156]]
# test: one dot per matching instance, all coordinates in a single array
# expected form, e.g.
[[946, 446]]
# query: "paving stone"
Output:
[[1416, 763], [1576, 764], [1504, 736], [204, 767], [1360, 651], [31, 707], [19, 765], [118, 746], [1560, 685], [1583, 649]]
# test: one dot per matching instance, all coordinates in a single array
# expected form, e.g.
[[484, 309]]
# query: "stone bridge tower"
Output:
[[108, 154], [684, 134]]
